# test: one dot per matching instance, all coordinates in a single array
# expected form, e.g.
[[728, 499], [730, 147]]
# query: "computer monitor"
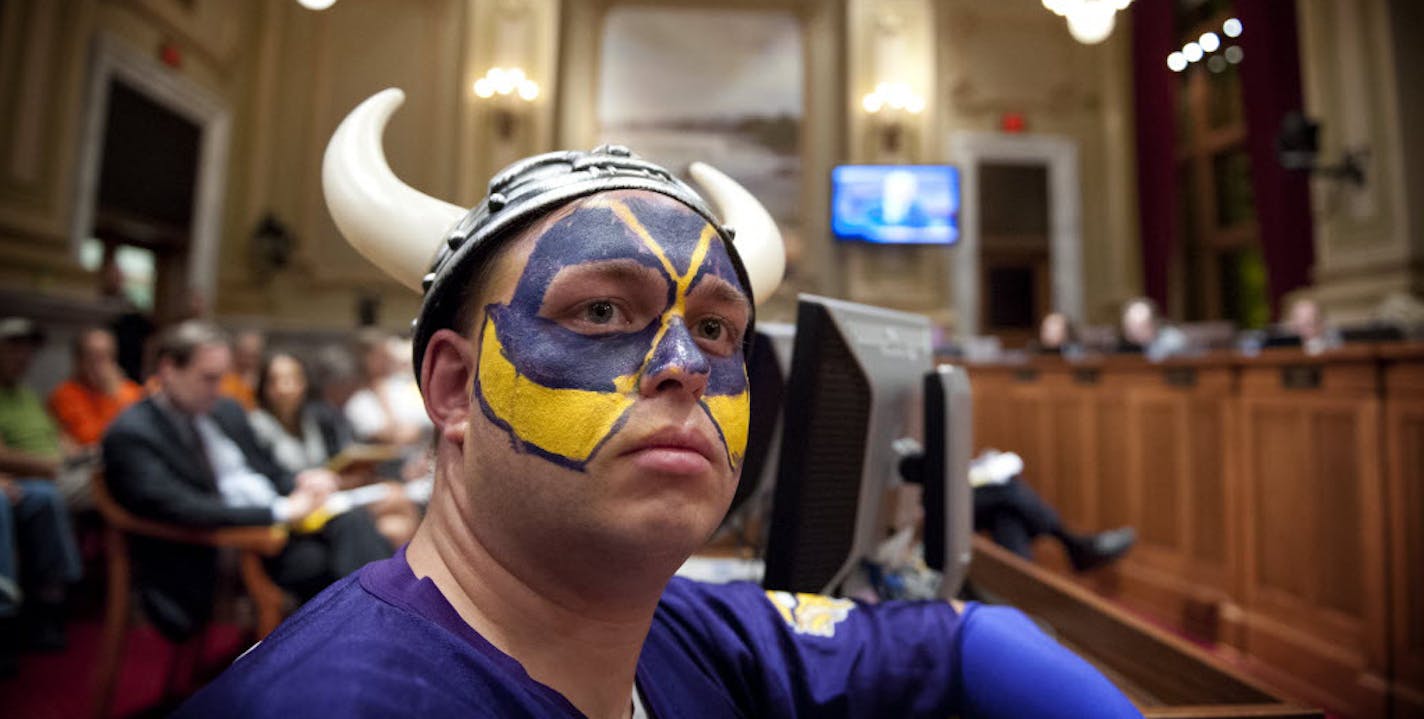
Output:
[[857, 389]]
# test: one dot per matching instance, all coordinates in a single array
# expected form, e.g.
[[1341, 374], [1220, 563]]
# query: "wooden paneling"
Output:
[[1404, 496], [1279, 502]]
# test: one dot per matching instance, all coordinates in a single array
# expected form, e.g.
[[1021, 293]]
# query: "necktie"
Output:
[[200, 449]]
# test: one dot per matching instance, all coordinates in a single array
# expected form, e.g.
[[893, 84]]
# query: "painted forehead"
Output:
[[647, 228]]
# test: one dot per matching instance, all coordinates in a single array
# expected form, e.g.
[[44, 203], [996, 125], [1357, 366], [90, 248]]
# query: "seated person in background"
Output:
[[301, 433], [1144, 330], [95, 392], [334, 378], [31, 445], [188, 456], [1057, 335], [1306, 320], [385, 409], [1014, 515], [240, 383], [38, 554], [583, 356]]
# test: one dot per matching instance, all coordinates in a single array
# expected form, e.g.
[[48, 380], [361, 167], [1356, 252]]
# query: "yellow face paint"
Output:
[[568, 423]]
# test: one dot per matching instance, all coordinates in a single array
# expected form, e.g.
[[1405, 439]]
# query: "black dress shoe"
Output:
[[1096, 550]]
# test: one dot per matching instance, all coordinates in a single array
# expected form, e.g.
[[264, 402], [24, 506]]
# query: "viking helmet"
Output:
[[433, 246]]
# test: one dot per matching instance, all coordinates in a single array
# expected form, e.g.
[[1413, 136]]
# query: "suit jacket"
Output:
[[154, 471]]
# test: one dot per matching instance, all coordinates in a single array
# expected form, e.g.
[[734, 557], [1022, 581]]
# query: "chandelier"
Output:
[[1089, 21]]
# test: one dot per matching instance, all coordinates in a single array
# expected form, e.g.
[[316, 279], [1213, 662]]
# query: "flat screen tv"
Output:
[[895, 204]]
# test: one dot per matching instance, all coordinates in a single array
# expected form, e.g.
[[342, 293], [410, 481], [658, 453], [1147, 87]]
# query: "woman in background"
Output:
[[301, 432]]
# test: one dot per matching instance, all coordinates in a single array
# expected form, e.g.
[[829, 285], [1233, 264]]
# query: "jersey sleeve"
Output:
[[783, 654]]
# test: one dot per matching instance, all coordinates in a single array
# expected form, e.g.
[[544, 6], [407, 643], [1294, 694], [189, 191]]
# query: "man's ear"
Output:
[[445, 383]]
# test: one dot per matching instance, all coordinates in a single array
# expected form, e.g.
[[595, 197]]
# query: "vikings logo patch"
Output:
[[560, 392], [811, 614]]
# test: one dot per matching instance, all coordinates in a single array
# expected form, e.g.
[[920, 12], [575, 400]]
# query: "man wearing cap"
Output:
[[36, 541], [581, 351]]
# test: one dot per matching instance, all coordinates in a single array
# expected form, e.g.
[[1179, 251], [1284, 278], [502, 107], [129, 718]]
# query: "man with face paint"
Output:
[[581, 350]]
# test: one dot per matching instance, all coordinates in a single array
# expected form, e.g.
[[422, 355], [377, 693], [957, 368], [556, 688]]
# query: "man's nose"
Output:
[[677, 364]]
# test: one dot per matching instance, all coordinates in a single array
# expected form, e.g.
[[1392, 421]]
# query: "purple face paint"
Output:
[[615, 291]]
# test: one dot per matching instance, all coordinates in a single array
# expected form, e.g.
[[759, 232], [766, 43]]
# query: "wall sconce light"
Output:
[[888, 105], [510, 91], [270, 246], [317, 5], [1089, 21], [1298, 148]]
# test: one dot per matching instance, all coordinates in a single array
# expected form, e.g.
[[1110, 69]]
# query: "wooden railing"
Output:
[[1279, 502]]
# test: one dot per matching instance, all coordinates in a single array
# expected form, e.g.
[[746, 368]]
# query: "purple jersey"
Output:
[[382, 643]]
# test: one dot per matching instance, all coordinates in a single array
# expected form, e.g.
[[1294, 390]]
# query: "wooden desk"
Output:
[[1279, 502], [1164, 675]]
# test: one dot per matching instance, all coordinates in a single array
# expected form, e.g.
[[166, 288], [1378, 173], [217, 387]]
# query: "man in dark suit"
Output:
[[188, 456]]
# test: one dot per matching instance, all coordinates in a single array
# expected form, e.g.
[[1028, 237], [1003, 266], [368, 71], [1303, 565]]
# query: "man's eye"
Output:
[[710, 328], [600, 312]]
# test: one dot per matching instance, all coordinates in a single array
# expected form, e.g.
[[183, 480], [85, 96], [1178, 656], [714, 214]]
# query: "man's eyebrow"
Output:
[[722, 291], [618, 269], [615, 271]]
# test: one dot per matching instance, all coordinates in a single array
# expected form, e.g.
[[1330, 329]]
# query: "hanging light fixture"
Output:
[[1089, 21]]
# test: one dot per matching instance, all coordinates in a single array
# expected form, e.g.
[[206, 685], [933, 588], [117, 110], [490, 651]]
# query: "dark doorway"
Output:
[[1014, 265], [147, 174]]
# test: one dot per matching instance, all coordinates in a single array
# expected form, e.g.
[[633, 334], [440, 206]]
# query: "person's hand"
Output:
[[314, 486], [319, 478], [11, 489]]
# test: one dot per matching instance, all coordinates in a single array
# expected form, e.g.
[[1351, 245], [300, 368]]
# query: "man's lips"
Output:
[[673, 440]]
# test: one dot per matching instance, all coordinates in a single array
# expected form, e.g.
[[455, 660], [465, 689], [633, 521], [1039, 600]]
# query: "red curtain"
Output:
[[1270, 86], [1153, 37]]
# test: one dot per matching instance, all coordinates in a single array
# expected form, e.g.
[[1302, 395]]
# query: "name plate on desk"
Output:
[[1180, 376], [1300, 376]]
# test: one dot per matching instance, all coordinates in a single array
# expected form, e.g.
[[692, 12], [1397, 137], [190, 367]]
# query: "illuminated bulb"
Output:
[[1091, 24], [316, 4], [528, 90], [484, 88], [1177, 62], [871, 103], [1209, 41], [1192, 51], [1232, 27], [915, 105]]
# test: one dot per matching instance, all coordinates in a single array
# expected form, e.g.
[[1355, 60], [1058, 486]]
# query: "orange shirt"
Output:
[[236, 388], [84, 413]]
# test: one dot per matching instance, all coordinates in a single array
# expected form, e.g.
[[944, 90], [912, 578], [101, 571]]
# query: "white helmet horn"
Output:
[[395, 226], [757, 238]]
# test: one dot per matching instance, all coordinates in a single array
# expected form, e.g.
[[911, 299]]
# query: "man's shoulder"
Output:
[[67, 391], [349, 653], [137, 418]]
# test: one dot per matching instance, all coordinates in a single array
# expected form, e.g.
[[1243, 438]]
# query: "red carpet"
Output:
[[59, 686]]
